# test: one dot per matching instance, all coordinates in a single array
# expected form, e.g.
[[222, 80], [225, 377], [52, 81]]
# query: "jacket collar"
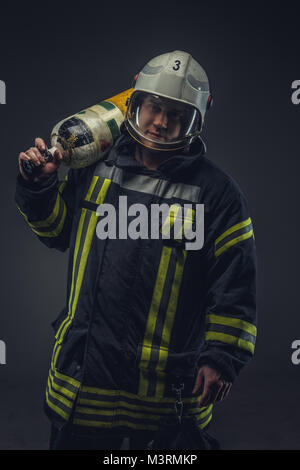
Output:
[[123, 155]]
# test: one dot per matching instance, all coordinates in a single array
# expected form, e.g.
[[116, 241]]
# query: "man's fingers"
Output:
[[205, 397], [23, 158], [215, 389], [214, 392], [39, 155], [40, 144], [198, 382], [224, 390], [219, 391], [227, 390], [35, 156], [57, 156]]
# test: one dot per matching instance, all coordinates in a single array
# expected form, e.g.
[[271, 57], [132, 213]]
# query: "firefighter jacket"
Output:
[[141, 313]]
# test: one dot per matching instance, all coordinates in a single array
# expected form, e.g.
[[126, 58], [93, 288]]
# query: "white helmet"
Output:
[[173, 85]]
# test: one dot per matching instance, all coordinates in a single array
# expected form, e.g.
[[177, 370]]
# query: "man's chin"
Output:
[[152, 146]]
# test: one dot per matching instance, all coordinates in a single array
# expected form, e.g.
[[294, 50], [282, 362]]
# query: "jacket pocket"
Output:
[[161, 360], [151, 357], [70, 360], [159, 368], [60, 318]]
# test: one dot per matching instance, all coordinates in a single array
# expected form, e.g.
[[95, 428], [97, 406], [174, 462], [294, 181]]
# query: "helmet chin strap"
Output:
[[143, 142], [152, 158], [155, 152]]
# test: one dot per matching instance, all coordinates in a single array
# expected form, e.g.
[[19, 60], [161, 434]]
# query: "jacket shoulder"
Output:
[[218, 188]]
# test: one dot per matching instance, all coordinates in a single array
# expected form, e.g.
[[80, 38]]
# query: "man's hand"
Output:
[[35, 155], [214, 387]]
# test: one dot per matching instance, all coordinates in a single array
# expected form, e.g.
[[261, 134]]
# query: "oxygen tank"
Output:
[[86, 136]]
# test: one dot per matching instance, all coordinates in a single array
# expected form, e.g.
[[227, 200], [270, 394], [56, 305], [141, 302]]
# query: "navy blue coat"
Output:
[[140, 312]]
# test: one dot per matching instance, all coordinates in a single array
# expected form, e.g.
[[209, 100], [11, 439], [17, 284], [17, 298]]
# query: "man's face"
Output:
[[160, 119]]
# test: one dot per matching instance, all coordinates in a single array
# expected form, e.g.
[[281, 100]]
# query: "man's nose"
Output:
[[161, 119]]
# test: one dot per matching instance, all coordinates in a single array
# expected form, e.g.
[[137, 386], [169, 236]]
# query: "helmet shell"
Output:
[[176, 75]]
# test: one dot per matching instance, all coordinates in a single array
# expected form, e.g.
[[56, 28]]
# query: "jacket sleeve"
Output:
[[230, 286], [48, 208]]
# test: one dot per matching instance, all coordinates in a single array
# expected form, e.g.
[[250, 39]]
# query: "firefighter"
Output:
[[143, 312]]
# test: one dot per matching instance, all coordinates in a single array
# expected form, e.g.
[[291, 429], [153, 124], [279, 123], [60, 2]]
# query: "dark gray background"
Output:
[[62, 59]]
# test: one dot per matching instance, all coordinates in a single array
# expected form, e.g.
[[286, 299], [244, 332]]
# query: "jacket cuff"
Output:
[[228, 362], [38, 186]]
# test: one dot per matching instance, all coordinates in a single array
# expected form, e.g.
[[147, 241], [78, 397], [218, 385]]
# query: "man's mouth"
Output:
[[154, 134]]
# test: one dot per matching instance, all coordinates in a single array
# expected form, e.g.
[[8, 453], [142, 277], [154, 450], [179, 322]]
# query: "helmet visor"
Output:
[[161, 121]]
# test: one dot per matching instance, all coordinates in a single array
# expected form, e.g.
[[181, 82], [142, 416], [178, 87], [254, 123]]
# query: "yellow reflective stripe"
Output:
[[206, 412], [67, 379], [188, 219], [76, 284], [63, 184], [52, 217], [235, 322], [136, 414], [124, 404], [113, 412], [61, 389], [232, 229], [203, 425], [152, 317], [172, 306], [57, 348], [57, 230], [139, 408], [49, 221], [82, 265], [121, 422], [100, 391], [167, 327], [183, 222], [162, 359], [56, 408], [53, 355], [77, 243], [111, 393], [170, 219], [156, 299], [58, 397], [104, 424], [91, 188], [235, 341], [169, 320], [234, 241], [160, 375], [130, 406]]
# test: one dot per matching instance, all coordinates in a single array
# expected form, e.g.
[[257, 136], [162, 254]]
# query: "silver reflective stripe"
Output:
[[150, 70], [199, 85], [146, 184]]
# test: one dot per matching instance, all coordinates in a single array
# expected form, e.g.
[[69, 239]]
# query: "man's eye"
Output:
[[176, 115], [156, 108]]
